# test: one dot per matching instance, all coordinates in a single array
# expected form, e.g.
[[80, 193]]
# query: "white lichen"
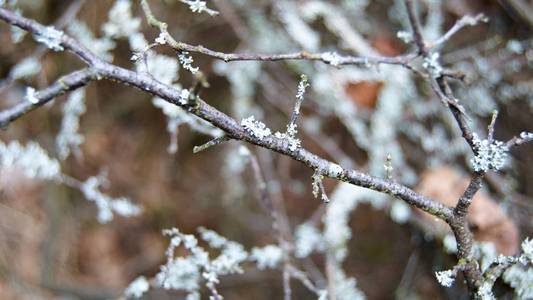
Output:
[[161, 39], [69, 139], [526, 135], [256, 128], [51, 38], [184, 96], [332, 58], [307, 239], [100, 46], [32, 160], [445, 278], [485, 291], [400, 212], [198, 6], [432, 65], [186, 62], [405, 36], [137, 288], [267, 257], [26, 68], [527, 249], [107, 205], [187, 272], [450, 244], [491, 155], [120, 22], [31, 95]]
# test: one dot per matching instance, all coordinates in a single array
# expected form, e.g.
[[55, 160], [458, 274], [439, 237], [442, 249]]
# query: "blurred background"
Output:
[[52, 247]]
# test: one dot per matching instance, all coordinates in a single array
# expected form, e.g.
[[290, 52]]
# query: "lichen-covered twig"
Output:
[[100, 69], [331, 58], [64, 84]]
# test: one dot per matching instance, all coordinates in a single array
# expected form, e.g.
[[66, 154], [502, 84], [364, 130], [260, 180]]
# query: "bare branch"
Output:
[[326, 57], [462, 23], [232, 127], [64, 84], [415, 27]]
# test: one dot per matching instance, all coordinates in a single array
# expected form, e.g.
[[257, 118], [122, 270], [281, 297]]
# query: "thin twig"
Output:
[[64, 84], [302, 55]]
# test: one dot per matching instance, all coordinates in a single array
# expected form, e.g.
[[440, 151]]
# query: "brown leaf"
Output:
[[487, 219], [365, 93]]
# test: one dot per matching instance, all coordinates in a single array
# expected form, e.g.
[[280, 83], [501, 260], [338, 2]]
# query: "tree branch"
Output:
[[232, 128], [325, 57], [64, 84]]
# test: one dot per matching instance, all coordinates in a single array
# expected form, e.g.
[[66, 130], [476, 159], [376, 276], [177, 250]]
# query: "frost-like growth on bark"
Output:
[[184, 96], [485, 292], [316, 184], [344, 200], [486, 253], [31, 159], [179, 274], [165, 69], [198, 6], [26, 68], [432, 29], [432, 64], [256, 128], [137, 42], [105, 204], [405, 36], [334, 170], [31, 95], [35, 163], [186, 273], [346, 287], [267, 257], [186, 62], [294, 143], [17, 34], [526, 135], [162, 67], [323, 295], [233, 254], [263, 32], [302, 86], [450, 244], [121, 23], [160, 39], [332, 58], [307, 239], [490, 155], [137, 288], [521, 280], [51, 38], [400, 212], [292, 131], [243, 79], [515, 46], [527, 248], [318, 187], [445, 278], [101, 47], [69, 139], [300, 32], [388, 167]]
